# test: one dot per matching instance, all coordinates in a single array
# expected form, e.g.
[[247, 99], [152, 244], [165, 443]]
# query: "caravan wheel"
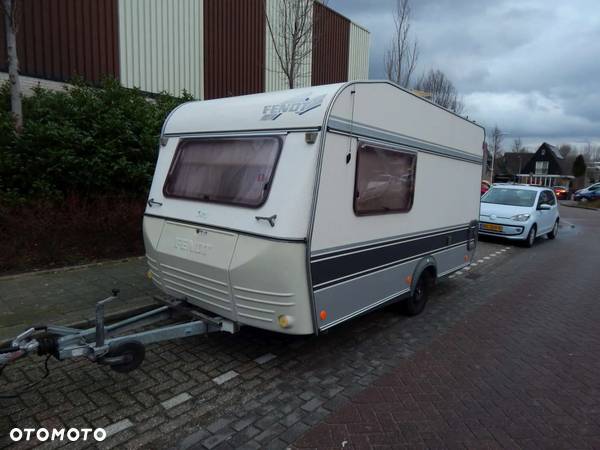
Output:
[[125, 356], [415, 304]]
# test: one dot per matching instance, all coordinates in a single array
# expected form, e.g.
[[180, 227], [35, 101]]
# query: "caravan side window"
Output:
[[233, 170], [385, 180]]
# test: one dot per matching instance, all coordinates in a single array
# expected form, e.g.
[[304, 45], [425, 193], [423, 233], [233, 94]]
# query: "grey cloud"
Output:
[[531, 66]]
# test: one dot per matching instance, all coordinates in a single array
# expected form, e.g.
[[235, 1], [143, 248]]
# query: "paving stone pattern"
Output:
[[521, 372], [268, 405], [65, 297]]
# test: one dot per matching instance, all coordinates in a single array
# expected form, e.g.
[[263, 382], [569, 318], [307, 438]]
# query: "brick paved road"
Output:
[[254, 389], [523, 371], [64, 297]]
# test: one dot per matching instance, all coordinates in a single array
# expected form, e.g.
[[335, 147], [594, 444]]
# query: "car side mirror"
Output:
[[545, 207]]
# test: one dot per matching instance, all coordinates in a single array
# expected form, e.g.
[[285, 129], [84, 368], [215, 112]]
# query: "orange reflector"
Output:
[[408, 279], [323, 315], [466, 258]]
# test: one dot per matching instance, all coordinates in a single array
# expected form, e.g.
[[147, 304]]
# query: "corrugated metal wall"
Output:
[[331, 38], [59, 39], [211, 48], [234, 47], [275, 80], [161, 45], [358, 54]]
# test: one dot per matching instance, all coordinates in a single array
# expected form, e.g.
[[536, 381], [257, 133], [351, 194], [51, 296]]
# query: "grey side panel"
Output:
[[356, 296], [448, 261], [351, 298]]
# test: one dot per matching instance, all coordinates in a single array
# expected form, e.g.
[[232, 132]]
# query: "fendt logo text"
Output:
[[297, 105]]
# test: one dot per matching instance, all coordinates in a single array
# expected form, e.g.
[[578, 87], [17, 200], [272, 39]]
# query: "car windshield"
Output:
[[513, 197]]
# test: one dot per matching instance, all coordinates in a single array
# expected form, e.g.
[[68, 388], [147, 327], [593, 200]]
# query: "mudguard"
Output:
[[428, 261]]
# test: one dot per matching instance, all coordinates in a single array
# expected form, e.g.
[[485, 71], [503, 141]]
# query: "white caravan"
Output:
[[297, 210]]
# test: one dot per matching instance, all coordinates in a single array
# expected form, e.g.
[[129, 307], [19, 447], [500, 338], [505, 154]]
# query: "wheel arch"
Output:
[[426, 264], [534, 224]]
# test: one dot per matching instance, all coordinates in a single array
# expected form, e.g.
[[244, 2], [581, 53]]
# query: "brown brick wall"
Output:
[[234, 47], [331, 41], [60, 39]]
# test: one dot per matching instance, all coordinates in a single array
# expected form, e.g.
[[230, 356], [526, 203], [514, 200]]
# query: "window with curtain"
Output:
[[385, 180], [236, 171]]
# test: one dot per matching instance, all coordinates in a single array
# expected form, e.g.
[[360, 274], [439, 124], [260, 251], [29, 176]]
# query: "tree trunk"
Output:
[[13, 63]]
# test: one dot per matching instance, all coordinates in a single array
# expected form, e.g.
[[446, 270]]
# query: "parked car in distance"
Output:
[[485, 186], [561, 192], [589, 193], [519, 212]]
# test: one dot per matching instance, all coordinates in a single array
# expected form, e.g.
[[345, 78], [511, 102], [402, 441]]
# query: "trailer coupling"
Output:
[[117, 345]]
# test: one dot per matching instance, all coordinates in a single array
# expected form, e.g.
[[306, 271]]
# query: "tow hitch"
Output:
[[115, 345]]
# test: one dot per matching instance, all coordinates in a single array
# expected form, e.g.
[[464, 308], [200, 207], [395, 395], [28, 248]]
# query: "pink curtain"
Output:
[[231, 170], [384, 180]]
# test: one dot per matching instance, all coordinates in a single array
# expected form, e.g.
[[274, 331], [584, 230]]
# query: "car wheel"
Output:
[[415, 304], [554, 232], [531, 237]]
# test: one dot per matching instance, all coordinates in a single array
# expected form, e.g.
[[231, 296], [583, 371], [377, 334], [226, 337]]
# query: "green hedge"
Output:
[[88, 141]]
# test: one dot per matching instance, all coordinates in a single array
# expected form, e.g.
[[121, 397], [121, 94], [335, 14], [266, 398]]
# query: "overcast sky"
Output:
[[530, 66]]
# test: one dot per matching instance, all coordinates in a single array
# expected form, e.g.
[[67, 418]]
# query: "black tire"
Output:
[[531, 237], [134, 353], [554, 232], [415, 304]]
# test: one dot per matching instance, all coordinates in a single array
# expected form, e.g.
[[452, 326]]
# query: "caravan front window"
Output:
[[224, 170], [385, 180]]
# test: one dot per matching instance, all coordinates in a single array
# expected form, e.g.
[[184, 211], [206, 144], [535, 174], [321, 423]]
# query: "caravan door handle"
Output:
[[271, 219], [152, 202]]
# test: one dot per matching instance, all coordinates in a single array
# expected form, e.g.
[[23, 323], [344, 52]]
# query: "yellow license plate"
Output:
[[492, 227]]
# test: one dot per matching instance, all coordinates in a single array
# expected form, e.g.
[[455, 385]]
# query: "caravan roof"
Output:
[[300, 108]]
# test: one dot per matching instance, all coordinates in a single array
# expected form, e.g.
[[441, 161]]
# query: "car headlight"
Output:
[[521, 217]]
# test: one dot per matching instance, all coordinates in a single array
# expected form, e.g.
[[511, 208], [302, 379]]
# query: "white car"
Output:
[[519, 212]]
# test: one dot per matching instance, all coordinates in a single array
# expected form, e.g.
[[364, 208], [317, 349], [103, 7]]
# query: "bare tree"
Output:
[[291, 30], [440, 90], [596, 154], [403, 52], [517, 146], [587, 152], [9, 7], [564, 150], [495, 139]]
